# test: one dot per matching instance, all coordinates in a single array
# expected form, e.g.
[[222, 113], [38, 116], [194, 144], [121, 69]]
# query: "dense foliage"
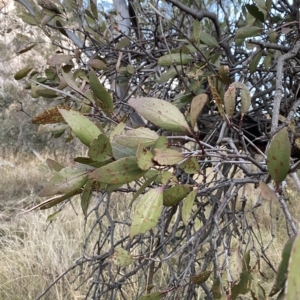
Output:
[[181, 105]]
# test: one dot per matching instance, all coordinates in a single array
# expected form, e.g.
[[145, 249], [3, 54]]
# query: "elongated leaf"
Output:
[[160, 113], [201, 277], [248, 31], [147, 212], [83, 128], [278, 156], [22, 73], [168, 157], [98, 64], [216, 97], [292, 287], [255, 61], [208, 40], [197, 105], [123, 170], [66, 180], [55, 200], [46, 93], [177, 58], [134, 137], [124, 42], [187, 206], [229, 101], [100, 149], [283, 268], [86, 196], [99, 91], [175, 194]]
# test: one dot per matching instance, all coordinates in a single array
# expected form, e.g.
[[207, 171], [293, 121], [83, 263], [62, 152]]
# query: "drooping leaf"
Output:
[[177, 58], [229, 101], [100, 149], [161, 113], [51, 115], [22, 73], [123, 170], [208, 40], [292, 287], [175, 194], [100, 91], [197, 105], [201, 277], [86, 196], [255, 61], [144, 158], [66, 180], [245, 100], [147, 212], [216, 97], [187, 206], [121, 257], [266, 192], [278, 156], [83, 128], [134, 137], [247, 31], [56, 200], [282, 271], [169, 157]]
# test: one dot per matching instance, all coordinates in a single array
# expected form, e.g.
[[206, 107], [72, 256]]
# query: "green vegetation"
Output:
[[166, 131]]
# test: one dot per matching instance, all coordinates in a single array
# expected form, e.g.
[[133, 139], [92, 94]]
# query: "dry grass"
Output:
[[33, 253]]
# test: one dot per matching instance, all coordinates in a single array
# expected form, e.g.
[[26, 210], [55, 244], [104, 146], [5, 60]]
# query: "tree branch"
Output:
[[200, 15]]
